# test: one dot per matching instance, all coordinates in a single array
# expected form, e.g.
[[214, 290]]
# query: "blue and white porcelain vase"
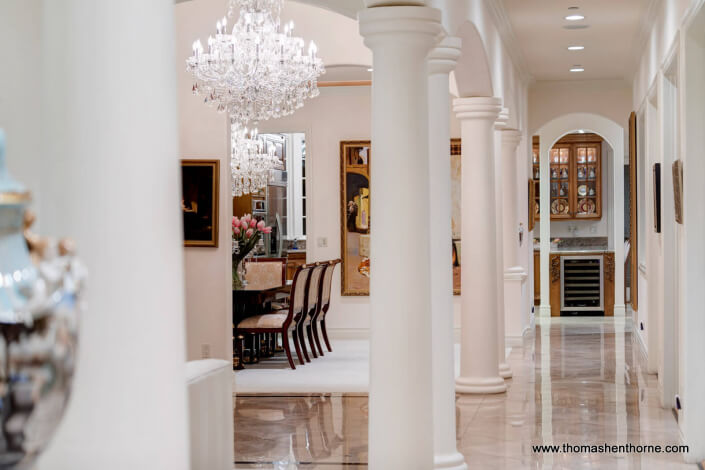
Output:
[[39, 309], [17, 273]]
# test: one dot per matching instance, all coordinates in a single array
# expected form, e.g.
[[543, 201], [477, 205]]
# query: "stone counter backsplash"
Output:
[[577, 243]]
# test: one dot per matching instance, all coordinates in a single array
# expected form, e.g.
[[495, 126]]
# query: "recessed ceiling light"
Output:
[[576, 48], [369, 70], [574, 17], [577, 68]]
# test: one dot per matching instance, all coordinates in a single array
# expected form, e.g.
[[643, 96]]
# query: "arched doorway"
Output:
[[613, 134]]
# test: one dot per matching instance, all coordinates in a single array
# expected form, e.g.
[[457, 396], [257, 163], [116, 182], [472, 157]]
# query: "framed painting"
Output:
[[355, 216], [199, 202], [657, 197], [456, 213], [677, 169]]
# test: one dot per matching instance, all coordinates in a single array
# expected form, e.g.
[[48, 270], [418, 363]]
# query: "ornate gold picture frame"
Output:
[[355, 200], [355, 216]]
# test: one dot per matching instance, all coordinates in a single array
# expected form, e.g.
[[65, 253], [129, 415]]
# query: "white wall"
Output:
[[668, 88], [550, 99], [203, 133]]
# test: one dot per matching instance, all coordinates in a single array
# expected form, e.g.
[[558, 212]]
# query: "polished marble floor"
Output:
[[577, 381]]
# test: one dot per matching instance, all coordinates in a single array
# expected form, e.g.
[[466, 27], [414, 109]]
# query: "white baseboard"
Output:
[[364, 334], [349, 333], [514, 341], [642, 344]]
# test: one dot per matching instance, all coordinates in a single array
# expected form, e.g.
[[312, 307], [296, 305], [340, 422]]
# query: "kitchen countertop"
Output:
[[577, 249]]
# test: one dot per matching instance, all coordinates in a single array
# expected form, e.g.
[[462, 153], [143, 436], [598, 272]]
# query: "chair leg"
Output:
[[287, 350], [303, 341], [295, 337], [309, 333], [316, 337], [325, 334]]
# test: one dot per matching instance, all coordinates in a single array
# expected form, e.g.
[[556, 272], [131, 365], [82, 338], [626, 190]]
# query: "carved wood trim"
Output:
[[555, 268], [609, 266]]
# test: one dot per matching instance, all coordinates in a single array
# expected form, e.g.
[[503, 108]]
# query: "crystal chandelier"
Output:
[[250, 162], [258, 70]]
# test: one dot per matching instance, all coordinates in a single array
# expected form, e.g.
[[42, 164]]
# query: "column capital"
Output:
[[477, 107], [443, 58], [399, 24], [502, 119], [511, 136]]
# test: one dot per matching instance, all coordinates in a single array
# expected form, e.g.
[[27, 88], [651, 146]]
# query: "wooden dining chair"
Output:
[[319, 320], [283, 321], [310, 306]]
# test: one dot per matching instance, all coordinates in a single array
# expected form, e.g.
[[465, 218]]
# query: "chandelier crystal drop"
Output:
[[250, 161], [257, 71]]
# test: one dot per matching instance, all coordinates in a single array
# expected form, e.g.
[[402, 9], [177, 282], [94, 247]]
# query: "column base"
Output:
[[480, 385], [620, 310], [505, 371], [454, 461], [545, 311]]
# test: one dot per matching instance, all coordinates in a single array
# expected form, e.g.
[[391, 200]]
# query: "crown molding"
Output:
[[646, 25], [509, 39]]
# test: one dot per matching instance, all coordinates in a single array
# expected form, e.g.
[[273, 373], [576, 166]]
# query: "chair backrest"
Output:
[[265, 273], [327, 283], [313, 287], [297, 299]]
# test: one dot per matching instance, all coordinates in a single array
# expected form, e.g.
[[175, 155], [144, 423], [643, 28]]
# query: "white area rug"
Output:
[[345, 370]]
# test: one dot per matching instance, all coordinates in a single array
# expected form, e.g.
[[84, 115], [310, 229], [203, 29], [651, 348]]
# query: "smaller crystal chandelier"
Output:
[[250, 162]]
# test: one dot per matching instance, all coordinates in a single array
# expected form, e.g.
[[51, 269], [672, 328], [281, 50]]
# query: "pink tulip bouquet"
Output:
[[246, 233]]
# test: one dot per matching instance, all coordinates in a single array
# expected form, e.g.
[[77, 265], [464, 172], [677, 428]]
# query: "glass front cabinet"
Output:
[[576, 177]]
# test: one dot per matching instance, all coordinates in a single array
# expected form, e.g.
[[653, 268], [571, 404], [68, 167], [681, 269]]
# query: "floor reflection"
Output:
[[301, 432], [577, 381]]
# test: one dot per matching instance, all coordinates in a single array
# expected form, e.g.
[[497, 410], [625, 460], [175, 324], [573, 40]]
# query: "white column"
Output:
[[401, 419], [514, 273], [544, 226], [441, 61], [111, 180], [479, 361], [501, 123]]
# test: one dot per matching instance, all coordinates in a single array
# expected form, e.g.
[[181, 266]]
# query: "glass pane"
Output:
[[591, 155], [591, 172], [554, 156], [582, 151], [564, 154]]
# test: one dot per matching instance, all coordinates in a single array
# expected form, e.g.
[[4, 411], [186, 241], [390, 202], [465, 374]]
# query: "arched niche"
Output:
[[613, 134]]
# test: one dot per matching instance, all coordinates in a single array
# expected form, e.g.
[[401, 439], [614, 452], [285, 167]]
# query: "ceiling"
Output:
[[611, 41]]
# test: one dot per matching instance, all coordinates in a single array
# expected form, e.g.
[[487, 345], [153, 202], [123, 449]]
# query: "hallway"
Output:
[[577, 381]]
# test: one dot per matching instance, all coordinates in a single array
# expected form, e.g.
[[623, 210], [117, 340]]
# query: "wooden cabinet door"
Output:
[[587, 181]]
